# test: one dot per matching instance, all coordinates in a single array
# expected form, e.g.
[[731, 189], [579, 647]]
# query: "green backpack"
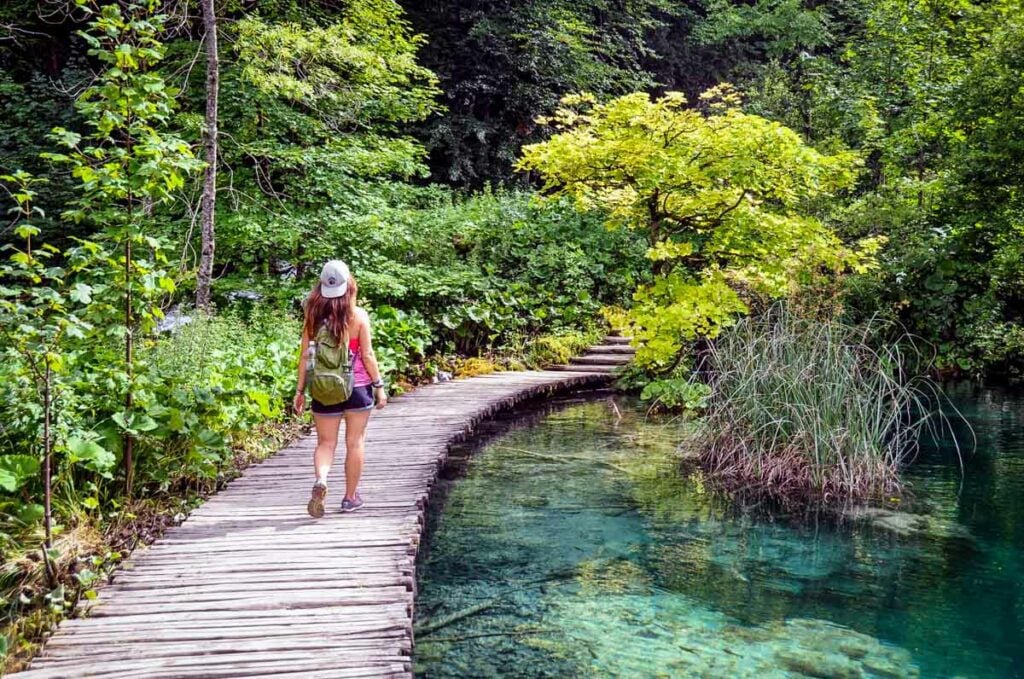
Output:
[[329, 372]]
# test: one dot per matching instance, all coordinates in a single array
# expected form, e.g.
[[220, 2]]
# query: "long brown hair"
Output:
[[334, 312]]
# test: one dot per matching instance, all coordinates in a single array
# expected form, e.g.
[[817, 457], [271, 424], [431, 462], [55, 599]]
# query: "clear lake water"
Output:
[[568, 544]]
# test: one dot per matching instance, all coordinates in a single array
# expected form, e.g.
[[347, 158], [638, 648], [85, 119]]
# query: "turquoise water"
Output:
[[571, 546]]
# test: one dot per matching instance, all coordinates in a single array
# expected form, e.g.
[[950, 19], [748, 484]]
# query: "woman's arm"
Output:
[[370, 359], [299, 402]]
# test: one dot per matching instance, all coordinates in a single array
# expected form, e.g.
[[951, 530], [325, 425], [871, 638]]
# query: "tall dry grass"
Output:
[[808, 410]]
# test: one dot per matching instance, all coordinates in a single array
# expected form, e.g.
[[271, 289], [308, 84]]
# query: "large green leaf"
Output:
[[16, 471], [30, 513], [90, 455]]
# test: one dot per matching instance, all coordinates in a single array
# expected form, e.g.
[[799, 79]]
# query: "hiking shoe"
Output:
[[316, 500], [350, 504]]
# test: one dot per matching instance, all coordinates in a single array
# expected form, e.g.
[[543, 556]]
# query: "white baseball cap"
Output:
[[334, 278]]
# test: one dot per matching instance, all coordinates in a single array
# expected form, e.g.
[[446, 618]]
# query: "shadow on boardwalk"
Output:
[[251, 586]]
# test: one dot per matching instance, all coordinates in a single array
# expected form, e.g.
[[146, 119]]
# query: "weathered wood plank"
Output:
[[222, 618], [249, 586]]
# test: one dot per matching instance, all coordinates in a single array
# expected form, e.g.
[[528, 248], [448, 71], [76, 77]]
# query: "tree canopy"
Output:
[[720, 195]]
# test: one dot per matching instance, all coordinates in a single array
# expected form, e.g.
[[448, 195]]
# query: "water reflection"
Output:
[[574, 547]]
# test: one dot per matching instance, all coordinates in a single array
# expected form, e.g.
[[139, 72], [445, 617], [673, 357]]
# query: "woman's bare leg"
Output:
[[355, 434], [327, 427]]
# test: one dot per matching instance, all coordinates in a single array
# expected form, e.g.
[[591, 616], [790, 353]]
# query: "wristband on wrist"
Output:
[[377, 384]]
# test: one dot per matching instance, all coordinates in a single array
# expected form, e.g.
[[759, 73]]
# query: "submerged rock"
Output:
[[825, 649], [907, 524], [816, 664], [654, 633], [901, 523]]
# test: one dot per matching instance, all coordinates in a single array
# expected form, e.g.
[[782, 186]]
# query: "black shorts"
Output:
[[361, 399]]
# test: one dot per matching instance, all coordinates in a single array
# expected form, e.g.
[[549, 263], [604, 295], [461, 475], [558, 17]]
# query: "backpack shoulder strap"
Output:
[[324, 337], [322, 334]]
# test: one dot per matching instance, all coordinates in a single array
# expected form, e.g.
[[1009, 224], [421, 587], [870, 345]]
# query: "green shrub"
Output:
[[676, 393], [399, 338], [556, 349], [200, 391], [208, 385]]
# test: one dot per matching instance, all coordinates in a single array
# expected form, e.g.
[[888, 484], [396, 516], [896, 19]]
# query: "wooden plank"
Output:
[[367, 627], [336, 656], [222, 618], [114, 651], [249, 585]]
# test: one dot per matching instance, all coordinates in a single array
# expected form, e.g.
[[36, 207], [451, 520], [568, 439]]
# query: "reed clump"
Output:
[[808, 411]]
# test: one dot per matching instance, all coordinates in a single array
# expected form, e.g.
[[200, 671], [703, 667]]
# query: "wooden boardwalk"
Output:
[[249, 585]]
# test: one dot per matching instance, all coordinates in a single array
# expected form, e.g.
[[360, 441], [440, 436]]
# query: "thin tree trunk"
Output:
[[205, 276], [47, 448], [128, 439], [51, 573]]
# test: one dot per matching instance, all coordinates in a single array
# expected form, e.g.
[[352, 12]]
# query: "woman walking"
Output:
[[332, 314]]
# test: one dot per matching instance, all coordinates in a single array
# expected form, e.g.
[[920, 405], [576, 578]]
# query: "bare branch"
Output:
[[13, 32]]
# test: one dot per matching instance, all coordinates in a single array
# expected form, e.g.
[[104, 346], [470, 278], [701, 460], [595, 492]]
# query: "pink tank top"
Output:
[[361, 378]]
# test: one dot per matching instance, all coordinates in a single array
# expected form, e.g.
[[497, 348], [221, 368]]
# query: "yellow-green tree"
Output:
[[722, 196]]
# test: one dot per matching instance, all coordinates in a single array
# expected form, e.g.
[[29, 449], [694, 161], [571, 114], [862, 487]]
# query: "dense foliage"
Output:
[[865, 156], [930, 94], [118, 398], [926, 92]]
